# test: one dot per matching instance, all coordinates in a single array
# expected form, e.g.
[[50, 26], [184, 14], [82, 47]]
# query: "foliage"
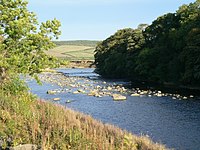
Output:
[[26, 120], [112, 53], [168, 50], [22, 43], [14, 86]]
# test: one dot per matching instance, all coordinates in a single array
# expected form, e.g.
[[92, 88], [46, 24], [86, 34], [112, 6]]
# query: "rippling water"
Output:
[[175, 123]]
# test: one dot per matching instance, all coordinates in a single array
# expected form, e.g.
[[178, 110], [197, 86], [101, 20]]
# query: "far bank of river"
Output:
[[165, 117]]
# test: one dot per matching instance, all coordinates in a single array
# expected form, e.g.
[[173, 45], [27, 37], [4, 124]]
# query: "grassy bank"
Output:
[[24, 119]]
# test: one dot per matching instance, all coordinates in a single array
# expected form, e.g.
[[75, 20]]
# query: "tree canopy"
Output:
[[168, 50], [23, 40], [113, 54]]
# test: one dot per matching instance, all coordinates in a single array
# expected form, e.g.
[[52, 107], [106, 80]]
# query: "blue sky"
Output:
[[98, 19]]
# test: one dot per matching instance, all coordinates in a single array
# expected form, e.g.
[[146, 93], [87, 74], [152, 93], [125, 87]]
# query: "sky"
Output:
[[98, 19]]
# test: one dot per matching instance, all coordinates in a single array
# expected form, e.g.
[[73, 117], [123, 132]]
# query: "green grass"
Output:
[[77, 42], [25, 119], [74, 50], [85, 54]]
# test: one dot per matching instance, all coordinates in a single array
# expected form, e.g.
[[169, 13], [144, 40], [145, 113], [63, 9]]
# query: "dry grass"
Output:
[[73, 52], [26, 120]]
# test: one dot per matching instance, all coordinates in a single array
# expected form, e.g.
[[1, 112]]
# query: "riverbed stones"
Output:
[[94, 93], [143, 92], [79, 85], [135, 94], [98, 87], [118, 97], [81, 91], [123, 89], [76, 92], [191, 96], [184, 97], [56, 99], [51, 92], [109, 88], [159, 92], [68, 101]]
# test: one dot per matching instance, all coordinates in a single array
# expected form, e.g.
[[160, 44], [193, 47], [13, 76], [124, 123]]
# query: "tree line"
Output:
[[167, 51]]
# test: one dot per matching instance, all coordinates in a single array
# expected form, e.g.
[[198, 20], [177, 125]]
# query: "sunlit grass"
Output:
[[73, 52], [27, 120]]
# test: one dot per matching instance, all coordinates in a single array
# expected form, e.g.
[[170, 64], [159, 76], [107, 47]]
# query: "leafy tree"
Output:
[[168, 50], [22, 40], [191, 58], [169, 39], [113, 55]]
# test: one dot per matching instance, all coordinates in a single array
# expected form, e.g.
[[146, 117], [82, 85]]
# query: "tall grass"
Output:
[[24, 119]]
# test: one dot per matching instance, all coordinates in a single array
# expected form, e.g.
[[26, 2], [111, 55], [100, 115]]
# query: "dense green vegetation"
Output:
[[167, 51], [22, 43]]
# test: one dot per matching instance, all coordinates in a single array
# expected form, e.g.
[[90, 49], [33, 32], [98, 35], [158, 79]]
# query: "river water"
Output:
[[170, 121]]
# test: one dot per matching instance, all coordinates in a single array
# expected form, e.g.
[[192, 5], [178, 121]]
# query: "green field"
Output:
[[77, 42], [74, 50]]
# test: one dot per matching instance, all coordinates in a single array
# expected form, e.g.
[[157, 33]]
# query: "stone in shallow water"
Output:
[[93, 93], [109, 88], [135, 94], [81, 91], [56, 99], [68, 101], [51, 92], [118, 97], [76, 92]]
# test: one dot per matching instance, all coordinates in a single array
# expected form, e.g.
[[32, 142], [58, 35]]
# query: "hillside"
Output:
[[77, 42], [74, 50]]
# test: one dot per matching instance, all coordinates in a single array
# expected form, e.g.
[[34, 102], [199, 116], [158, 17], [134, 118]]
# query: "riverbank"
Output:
[[25, 119]]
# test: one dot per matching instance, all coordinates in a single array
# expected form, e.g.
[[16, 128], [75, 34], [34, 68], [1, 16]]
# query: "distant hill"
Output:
[[74, 50], [77, 42]]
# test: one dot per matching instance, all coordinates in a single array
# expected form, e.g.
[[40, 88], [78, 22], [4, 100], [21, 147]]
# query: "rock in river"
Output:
[[118, 97], [56, 99], [51, 92], [135, 94]]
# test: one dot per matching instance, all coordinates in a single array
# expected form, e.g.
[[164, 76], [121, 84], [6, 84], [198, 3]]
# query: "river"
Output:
[[166, 119]]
